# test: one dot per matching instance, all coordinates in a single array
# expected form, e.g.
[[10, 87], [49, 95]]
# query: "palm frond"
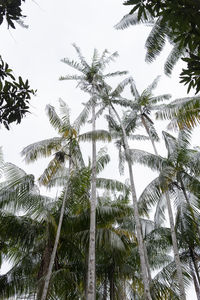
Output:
[[64, 113], [154, 162], [102, 159], [41, 149], [150, 195], [50, 171], [156, 40], [153, 85], [132, 19], [182, 112], [113, 74], [175, 54], [83, 116], [71, 77], [112, 185], [156, 99], [54, 119], [97, 135], [121, 86], [81, 57], [73, 64]]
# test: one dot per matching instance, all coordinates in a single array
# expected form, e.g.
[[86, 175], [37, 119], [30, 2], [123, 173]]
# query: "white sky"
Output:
[[35, 54]]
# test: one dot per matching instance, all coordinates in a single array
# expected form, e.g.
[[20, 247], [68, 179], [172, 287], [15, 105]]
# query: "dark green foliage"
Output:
[[10, 10], [14, 96], [181, 18]]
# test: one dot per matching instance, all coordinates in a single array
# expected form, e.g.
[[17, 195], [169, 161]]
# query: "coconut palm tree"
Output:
[[91, 80], [67, 147], [175, 172]]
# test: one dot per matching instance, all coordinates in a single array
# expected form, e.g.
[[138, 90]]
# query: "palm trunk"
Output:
[[91, 288], [173, 234], [136, 215], [105, 287], [53, 255], [175, 249]]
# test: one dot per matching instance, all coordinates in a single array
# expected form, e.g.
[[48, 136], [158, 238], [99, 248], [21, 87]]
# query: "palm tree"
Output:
[[68, 147], [174, 173], [91, 80], [108, 99]]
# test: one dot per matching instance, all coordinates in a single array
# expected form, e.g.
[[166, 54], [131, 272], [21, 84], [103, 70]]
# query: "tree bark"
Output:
[[91, 287], [136, 215], [53, 255]]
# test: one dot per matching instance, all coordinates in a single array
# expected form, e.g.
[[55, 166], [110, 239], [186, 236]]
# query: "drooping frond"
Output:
[[172, 59], [132, 19], [102, 159], [156, 40], [150, 195], [50, 171], [41, 149], [112, 185], [170, 143], [134, 90], [154, 162], [182, 112], [159, 216], [97, 135], [138, 137], [156, 99]]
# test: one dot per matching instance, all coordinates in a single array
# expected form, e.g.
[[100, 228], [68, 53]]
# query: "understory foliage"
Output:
[[46, 239]]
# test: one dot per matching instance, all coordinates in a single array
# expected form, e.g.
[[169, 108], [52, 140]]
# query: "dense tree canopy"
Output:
[[179, 22]]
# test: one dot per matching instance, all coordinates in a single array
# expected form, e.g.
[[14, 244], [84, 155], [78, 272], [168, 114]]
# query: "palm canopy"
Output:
[[92, 78], [63, 147]]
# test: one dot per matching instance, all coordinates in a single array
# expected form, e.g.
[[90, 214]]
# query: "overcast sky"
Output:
[[35, 54]]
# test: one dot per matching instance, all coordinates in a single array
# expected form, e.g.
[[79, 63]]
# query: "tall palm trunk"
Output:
[[53, 255], [136, 214], [171, 220], [91, 286]]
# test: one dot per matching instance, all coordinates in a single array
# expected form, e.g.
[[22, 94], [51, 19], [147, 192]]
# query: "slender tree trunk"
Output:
[[91, 288], [173, 234], [53, 255], [195, 281], [111, 280], [105, 287], [136, 215], [175, 249]]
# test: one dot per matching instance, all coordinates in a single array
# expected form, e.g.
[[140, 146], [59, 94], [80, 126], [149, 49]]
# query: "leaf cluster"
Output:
[[10, 10], [14, 96], [181, 19]]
